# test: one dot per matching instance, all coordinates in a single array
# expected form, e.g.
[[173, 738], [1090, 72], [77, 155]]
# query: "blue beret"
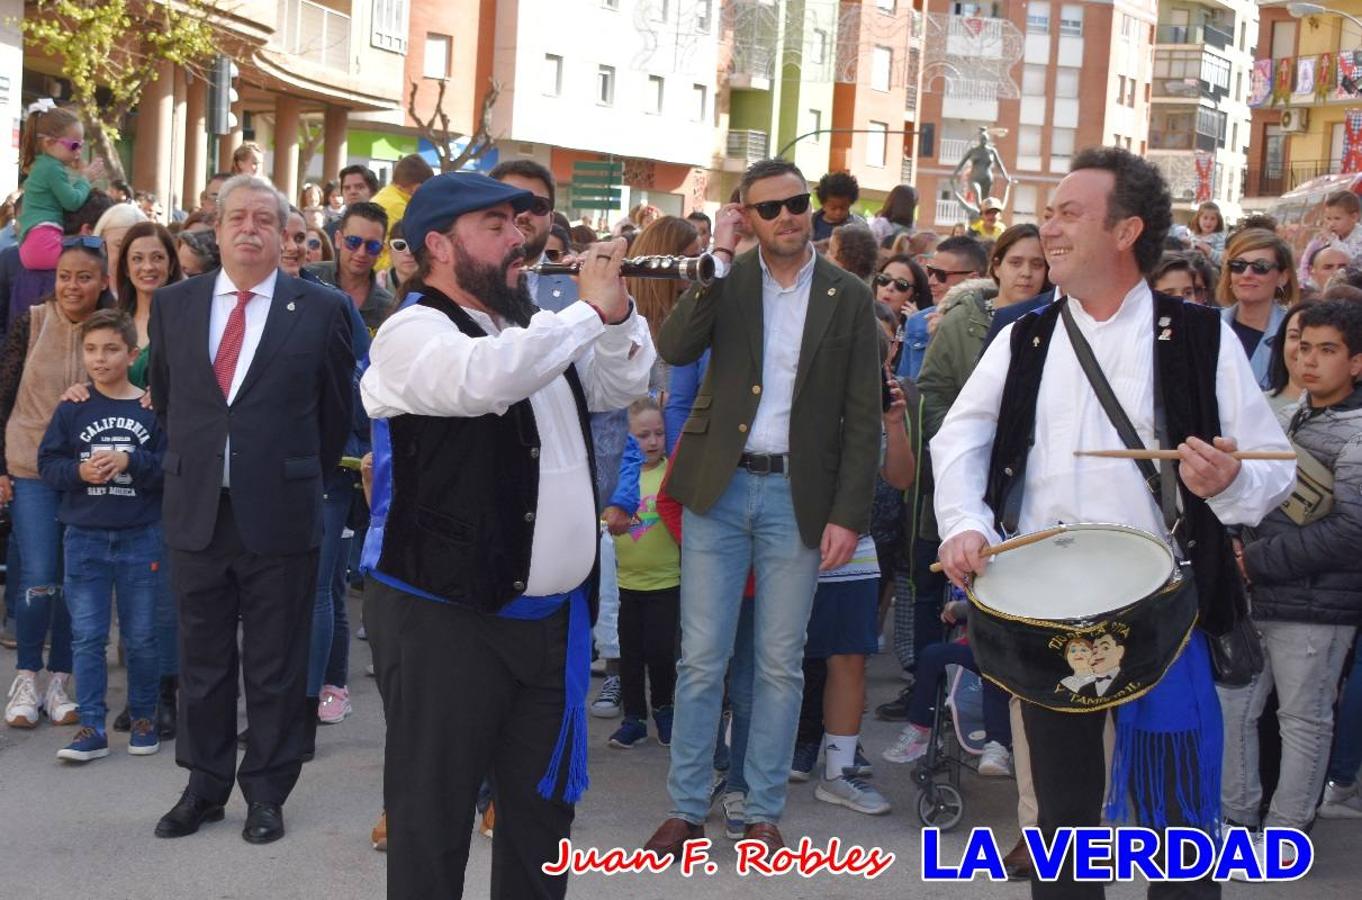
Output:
[[442, 199]]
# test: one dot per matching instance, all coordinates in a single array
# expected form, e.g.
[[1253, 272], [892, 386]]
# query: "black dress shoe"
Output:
[[264, 823], [123, 721], [166, 718], [187, 815]]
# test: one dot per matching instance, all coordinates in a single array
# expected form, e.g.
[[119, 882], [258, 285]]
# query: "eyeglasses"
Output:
[[902, 284], [539, 206], [70, 144], [314, 244], [398, 245], [353, 242], [942, 275], [769, 209], [1259, 266], [88, 241]]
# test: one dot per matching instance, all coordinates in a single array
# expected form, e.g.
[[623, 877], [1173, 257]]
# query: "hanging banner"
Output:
[[1352, 141], [1348, 74], [1260, 83], [1282, 81], [1205, 170], [1305, 79], [1326, 77]]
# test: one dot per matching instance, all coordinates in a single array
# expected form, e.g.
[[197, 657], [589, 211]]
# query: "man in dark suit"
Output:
[[251, 372], [776, 469]]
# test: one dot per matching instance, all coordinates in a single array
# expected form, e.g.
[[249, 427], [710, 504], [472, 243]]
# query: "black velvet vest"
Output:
[[1186, 352], [465, 492]]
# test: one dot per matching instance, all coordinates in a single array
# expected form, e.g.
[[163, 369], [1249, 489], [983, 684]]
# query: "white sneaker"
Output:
[[853, 793], [735, 814], [61, 709], [1341, 802], [996, 761], [22, 709], [1260, 851], [607, 703], [910, 746]]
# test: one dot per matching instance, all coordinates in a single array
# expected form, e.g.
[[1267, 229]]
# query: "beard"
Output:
[[488, 284], [535, 248]]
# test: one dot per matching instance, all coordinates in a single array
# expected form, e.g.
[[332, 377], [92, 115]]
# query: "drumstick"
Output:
[[1014, 543], [1173, 454]]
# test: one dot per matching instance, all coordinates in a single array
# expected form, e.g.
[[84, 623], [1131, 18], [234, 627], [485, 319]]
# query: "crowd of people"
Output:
[[763, 470]]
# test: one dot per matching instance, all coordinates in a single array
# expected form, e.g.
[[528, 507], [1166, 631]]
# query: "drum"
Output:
[[1085, 619]]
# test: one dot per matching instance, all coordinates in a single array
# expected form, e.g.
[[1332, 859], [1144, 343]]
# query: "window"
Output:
[[1061, 148], [1130, 95], [703, 11], [1283, 39], [660, 10], [819, 50], [656, 86], [1066, 82], [553, 75], [1243, 35], [875, 141], [1215, 71], [389, 31], [885, 6], [605, 85], [1038, 18], [1120, 89], [1033, 80], [436, 62], [1238, 86], [1234, 136], [699, 102], [1127, 26], [1071, 20], [610, 4], [816, 125], [881, 65], [1028, 140]]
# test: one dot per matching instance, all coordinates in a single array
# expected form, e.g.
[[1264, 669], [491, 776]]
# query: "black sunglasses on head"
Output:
[[769, 209], [902, 284], [1259, 266]]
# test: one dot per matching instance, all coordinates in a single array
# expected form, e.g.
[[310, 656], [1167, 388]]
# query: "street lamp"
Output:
[[1301, 10]]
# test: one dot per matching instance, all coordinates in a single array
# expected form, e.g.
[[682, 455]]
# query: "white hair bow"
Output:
[[41, 106]]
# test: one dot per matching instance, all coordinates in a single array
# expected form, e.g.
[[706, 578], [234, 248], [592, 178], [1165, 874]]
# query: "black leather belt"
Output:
[[764, 463]]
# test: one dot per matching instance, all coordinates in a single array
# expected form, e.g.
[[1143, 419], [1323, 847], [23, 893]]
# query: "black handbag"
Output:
[[1236, 655]]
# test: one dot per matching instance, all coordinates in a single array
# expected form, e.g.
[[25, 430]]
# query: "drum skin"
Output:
[[1089, 663]]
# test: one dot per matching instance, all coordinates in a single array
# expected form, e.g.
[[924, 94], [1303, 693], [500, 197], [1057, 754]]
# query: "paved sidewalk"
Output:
[[69, 831]]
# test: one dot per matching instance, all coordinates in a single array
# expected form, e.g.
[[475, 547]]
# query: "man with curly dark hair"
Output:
[[837, 192]]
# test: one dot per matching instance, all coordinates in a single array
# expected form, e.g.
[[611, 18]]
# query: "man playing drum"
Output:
[[1006, 453]]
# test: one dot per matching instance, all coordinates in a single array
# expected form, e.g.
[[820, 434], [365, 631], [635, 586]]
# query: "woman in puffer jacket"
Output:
[[1305, 577]]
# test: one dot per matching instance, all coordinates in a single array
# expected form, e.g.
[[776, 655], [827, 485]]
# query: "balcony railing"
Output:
[[971, 89], [315, 33], [1181, 140], [949, 212], [1195, 34], [952, 150], [1183, 88], [906, 171], [748, 145], [1276, 179]]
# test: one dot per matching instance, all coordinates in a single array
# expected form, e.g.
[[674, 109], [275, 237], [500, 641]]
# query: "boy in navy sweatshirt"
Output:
[[104, 455]]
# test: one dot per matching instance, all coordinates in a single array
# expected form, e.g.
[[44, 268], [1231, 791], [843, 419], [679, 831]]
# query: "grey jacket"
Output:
[[1313, 573]]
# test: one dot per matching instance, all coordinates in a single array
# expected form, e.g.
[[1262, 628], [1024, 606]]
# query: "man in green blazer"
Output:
[[776, 470]]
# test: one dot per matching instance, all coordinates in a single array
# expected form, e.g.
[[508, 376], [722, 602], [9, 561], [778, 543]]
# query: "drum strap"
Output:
[[1161, 483]]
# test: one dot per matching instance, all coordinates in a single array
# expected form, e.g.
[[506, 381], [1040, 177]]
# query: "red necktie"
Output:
[[229, 348]]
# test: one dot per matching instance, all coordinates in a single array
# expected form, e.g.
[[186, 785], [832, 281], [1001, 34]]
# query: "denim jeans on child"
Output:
[[121, 565], [751, 526], [37, 602], [1303, 662], [1347, 756], [330, 570]]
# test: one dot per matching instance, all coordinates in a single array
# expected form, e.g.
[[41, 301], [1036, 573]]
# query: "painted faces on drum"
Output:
[[1078, 654], [1080, 243], [1107, 654]]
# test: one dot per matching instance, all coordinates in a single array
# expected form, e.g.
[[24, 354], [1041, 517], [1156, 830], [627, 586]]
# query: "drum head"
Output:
[[1084, 572]]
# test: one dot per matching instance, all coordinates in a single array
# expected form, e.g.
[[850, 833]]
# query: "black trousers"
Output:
[[1069, 772], [648, 624], [270, 597], [467, 694], [810, 730]]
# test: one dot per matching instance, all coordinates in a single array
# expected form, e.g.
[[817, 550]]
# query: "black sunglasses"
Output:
[[942, 274], [539, 206], [353, 242], [1259, 266], [902, 284], [768, 210]]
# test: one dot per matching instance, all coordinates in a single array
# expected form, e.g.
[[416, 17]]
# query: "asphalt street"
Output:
[[86, 831]]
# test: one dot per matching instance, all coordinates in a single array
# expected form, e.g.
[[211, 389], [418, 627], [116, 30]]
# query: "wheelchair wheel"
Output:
[[940, 806]]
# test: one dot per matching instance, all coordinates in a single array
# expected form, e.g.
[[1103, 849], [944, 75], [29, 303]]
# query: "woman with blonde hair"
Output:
[[1257, 284], [247, 158], [654, 298], [111, 227]]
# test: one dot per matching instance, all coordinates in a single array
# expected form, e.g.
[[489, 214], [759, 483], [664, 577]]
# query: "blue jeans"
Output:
[[740, 699], [124, 562], [167, 622], [330, 594], [751, 526], [931, 671], [1347, 756], [38, 605]]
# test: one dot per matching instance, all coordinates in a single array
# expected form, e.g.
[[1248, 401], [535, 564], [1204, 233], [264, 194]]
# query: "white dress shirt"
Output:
[[1061, 487], [420, 363], [783, 311], [257, 311]]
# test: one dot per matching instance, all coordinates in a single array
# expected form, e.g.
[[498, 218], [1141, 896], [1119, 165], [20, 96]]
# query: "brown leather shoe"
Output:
[[669, 837], [489, 821], [767, 833], [379, 836], [1017, 863]]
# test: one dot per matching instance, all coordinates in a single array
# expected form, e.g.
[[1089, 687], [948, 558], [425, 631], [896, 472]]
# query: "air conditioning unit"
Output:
[[1295, 120]]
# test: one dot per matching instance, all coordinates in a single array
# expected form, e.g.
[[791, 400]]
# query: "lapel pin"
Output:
[[832, 292], [1164, 322], [291, 307], [1035, 342], [557, 293], [1166, 334]]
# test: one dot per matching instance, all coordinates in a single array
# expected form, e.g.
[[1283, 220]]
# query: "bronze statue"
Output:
[[981, 160]]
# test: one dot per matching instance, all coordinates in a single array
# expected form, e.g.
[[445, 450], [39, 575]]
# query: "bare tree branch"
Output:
[[442, 137]]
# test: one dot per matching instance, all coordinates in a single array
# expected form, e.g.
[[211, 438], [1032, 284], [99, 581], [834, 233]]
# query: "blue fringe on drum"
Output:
[[1176, 724]]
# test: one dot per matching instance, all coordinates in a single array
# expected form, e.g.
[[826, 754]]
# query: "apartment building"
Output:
[[1199, 125], [1060, 77], [1306, 79]]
